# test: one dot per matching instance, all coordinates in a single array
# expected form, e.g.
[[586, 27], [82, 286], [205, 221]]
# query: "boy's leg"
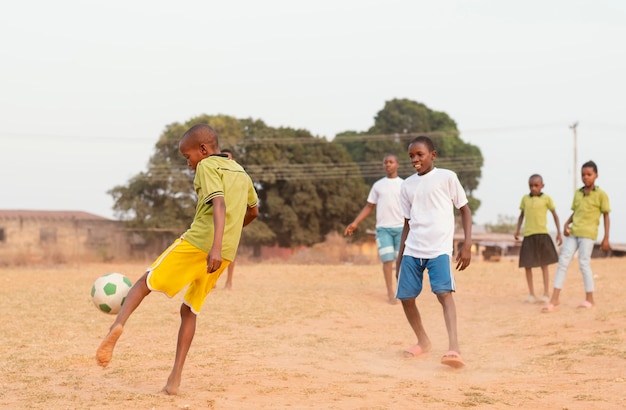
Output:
[[449, 315], [388, 254], [415, 320], [194, 299], [452, 357], [388, 274], [229, 276], [135, 295], [409, 287], [185, 337], [442, 283]]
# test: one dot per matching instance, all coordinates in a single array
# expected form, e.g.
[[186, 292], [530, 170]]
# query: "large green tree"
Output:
[[307, 186]]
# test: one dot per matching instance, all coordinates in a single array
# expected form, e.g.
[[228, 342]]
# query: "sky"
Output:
[[87, 87]]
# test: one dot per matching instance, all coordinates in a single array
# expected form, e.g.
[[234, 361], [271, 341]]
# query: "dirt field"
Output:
[[309, 337]]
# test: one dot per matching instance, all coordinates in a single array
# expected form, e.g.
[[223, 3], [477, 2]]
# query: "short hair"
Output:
[[202, 133], [533, 176], [590, 164], [423, 139]]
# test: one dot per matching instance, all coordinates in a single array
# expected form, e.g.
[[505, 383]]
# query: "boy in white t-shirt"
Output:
[[385, 196], [427, 200]]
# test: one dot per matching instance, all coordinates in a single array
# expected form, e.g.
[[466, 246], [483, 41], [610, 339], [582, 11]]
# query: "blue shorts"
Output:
[[388, 242], [411, 276]]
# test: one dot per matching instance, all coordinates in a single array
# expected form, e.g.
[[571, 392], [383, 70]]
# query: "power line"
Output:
[[80, 138], [303, 140], [312, 171]]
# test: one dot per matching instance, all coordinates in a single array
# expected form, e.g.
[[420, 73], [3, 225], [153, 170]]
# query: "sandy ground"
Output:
[[309, 337]]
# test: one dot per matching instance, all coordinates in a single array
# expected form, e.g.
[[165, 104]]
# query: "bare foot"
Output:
[[105, 350], [171, 388], [392, 300], [228, 286]]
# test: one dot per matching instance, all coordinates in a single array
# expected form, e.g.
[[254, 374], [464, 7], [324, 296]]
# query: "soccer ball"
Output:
[[109, 292]]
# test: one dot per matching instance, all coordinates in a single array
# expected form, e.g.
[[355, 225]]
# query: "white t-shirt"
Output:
[[427, 202], [385, 194]]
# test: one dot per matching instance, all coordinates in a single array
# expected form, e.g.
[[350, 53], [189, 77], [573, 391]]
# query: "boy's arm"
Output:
[[367, 209], [214, 258], [607, 226], [405, 233], [251, 213], [465, 254], [519, 224]]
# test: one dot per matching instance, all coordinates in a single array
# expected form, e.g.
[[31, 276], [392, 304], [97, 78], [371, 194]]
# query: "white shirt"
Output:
[[427, 201], [385, 194]]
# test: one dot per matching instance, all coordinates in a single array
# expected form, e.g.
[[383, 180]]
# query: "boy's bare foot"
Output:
[[105, 350], [171, 388]]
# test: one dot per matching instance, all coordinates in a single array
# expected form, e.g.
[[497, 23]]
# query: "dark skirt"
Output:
[[537, 250]]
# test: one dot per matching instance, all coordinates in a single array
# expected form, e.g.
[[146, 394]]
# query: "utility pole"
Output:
[[573, 127]]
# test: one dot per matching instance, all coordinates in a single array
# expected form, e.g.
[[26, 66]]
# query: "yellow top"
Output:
[[535, 213], [220, 176], [587, 210]]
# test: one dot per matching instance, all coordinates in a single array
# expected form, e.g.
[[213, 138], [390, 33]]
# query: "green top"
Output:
[[219, 176], [535, 210], [587, 210]]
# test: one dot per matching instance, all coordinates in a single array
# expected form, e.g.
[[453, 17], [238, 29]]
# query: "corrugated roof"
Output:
[[38, 214]]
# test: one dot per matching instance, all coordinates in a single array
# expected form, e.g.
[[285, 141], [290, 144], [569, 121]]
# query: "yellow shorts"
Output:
[[180, 265]]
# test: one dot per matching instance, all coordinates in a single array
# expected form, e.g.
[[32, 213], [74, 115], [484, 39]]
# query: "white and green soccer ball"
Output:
[[109, 292]]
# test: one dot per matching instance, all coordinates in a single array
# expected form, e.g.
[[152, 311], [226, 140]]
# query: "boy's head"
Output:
[[589, 173], [197, 143], [391, 165], [535, 183], [422, 153]]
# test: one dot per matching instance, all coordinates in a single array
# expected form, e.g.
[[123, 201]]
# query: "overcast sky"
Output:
[[87, 87]]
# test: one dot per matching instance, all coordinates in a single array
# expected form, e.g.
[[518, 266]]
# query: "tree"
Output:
[[409, 117]]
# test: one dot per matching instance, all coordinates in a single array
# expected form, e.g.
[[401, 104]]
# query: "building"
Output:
[[60, 237]]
